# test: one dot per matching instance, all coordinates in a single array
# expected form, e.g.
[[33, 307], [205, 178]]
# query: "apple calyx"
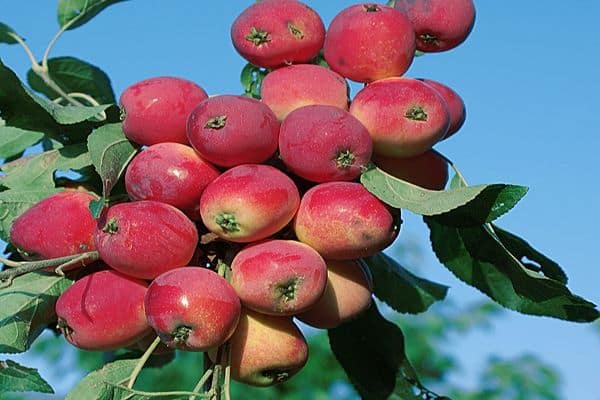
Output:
[[64, 327], [227, 222], [111, 227], [216, 122], [371, 7], [181, 334], [429, 38], [416, 113], [287, 290], [345, 159], [275, 375], [258, 36], [294, 30]]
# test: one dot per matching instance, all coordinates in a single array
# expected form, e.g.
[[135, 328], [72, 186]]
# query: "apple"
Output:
[[368, 41], [231, 130], [265, 349], [324, 143], [348, 294], [456, 105], [59, 225], [103, 311], [171, 173], [305, 84], [404, 116], [249, 202], [145, 238], [192, 308], [439, 25], [343, 221], [428, 170], [155, 110], [278, 277], [273, 33]]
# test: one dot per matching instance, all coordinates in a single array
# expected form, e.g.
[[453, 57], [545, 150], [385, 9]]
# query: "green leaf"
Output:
[[524, 252], [371, 351], [17, 378], [478, 257], [27, 308], [37, 171], [94, 386], [462, 206], [400, 289], [96, 207], [82, 10], [74, 75], [110, 151], [14, 141], [15, 202], [5, 36]]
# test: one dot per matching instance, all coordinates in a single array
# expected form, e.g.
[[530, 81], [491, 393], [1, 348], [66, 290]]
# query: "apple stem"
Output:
[[24, 267], [214, 387], [138, 367], [201, 383]]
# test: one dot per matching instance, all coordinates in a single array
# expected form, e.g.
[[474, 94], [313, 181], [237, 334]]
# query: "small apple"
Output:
[[428, 170]]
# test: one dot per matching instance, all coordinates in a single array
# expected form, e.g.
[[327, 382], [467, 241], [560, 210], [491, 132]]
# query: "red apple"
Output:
[[404, 116], [59, 225], [103, 311], [278, 277], [323, 143], [156, 110], [343, 221], [192, 308], [348, 294], [439, 25], [143, 239], [232, 130], [366, 42], [305, 84], [249, 202], [171, 173], [428, 170], [456, 105], [265, 350]]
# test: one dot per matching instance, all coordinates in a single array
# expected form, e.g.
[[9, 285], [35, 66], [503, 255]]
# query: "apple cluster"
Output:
[[246, 213]]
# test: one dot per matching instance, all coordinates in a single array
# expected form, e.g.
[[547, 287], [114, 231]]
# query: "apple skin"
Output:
[[367, 42], [404, 116], [156, 109], [278, 277], [305, 84], [249, 202], [265, 349], [171, 173], [343, 221], [145, 238], [59, 225], [348, 294], [324, 143], [231, 130], [292, 33], [192, 308], [428, 170], [439, 25], [103, 311], [456, 105]]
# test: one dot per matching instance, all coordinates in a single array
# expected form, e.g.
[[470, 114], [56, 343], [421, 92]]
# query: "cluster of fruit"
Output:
[[244, 213]]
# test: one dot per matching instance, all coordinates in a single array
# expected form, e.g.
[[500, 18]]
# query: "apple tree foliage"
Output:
[[62, 127]]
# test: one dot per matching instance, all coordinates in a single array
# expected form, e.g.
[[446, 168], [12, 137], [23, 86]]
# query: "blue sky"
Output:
[[529, 77]]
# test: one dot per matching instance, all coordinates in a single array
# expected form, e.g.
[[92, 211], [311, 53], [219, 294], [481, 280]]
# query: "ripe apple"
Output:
[[145, 238], [305, 84], [343, 221], [404, 116], [232, 130], [192, 308], [456, 105], [324, 143], [103, 311], [348, 294], [428, 170], [278, 277], [156, 110], [273, 33], [59, 225], [171, 173], [366, 42], [265, 350], [249, 202], [439, 25]]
